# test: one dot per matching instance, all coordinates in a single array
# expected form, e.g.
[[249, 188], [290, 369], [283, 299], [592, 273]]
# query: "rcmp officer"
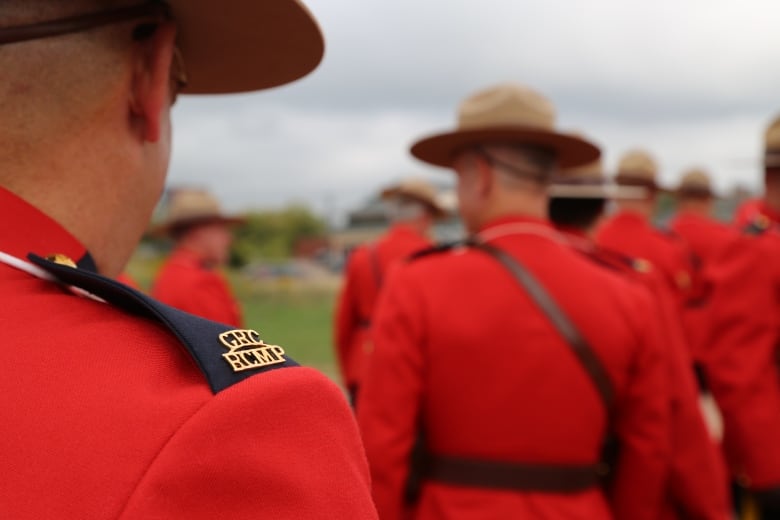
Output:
[[741, 363], [697, 479], [115, 405], [413, 207], [707, 240], [190, 279], [762, 213], [630, 230], [507, 361]]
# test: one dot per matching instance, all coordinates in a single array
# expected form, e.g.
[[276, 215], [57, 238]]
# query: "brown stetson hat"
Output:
[[226, 46], [695, 182], [589, 182], [638, 168], [419, 190], [506, 113], [189, 207], [772, 144], [244, 45]]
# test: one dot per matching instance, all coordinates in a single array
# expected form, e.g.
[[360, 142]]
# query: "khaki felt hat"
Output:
[[638, 168], [419, 190], [190, 207], [245, 45], [590, 182], [506, 113], [695, 182], [226, 45]]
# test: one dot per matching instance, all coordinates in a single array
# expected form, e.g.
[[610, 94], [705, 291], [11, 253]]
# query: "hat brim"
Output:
[[695, 191], [169, 228], [440, 149], [244, 45], [596, 191], [438, 210]]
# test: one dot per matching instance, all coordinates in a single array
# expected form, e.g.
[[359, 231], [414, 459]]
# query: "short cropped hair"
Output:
[[579, 214]]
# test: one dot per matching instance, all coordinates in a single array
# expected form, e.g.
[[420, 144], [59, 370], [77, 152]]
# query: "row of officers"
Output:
[[569, 359]]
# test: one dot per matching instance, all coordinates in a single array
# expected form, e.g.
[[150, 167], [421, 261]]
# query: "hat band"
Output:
[[84, 22], [629, 180], [579, 182], [772, 157]]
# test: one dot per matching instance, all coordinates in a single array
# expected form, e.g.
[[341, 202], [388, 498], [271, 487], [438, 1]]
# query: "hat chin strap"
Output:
[[526, 172]]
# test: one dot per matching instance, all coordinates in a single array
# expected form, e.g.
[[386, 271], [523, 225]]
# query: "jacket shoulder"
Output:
[[225, 355]]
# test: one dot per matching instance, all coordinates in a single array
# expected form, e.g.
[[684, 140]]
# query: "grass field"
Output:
[[299, 321]]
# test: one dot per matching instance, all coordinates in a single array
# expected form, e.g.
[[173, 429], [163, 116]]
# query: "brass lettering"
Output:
[[255, 358], [234, 339]]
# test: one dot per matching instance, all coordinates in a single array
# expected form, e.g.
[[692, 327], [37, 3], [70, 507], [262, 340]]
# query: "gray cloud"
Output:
[[695, 81]]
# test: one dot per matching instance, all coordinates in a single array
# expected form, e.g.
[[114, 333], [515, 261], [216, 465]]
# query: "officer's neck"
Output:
[[95, 205], [693, 206], [645, 208]]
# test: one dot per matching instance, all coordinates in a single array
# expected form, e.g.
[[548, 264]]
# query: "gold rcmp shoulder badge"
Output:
[[248, 351]]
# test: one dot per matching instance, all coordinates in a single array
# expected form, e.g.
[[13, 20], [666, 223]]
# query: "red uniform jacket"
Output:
[[708, 240], [742, 358], [462, 350], [752, 209], [185, 283], [106, 415], [365, 274], [697, 486]]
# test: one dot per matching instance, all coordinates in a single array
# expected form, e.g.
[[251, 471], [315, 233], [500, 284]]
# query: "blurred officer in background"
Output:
[[707, 240], [412, 207], [115, 405], [697, 484], [742, 356], [502, 366], [630, 230], [190, 279], [758, 214]]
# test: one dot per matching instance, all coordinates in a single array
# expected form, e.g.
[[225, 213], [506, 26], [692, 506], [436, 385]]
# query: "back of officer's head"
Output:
[[86, 115], [581, 214], [499, 179]]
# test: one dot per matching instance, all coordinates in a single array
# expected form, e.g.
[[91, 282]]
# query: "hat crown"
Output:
[[637, 164], [507, 105], [416, 188], [696, 179], [772, 135], [187, 204]]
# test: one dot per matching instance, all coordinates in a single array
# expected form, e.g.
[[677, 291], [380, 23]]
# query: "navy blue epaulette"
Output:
[[435, 250], [225, 356], [758, 225]]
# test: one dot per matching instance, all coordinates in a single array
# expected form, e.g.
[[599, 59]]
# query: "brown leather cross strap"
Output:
[[513, 476], [151, 9], [579, 345]]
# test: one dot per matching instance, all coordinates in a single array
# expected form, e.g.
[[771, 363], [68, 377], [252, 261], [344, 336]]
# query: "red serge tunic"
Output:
[[186, 283], [697, 485], [365, 274], [742, 357], [461, 349], [632, 235], [708, 239], [752, 209], [107, 415]]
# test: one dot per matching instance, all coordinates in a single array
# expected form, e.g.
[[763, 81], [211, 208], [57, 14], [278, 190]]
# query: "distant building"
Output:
[[369, 221]]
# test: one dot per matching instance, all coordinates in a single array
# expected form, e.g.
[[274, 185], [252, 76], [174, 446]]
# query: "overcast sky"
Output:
[[693, 81]]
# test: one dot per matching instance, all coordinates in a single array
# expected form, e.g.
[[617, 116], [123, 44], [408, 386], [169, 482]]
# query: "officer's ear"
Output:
[[150, 93], [485, 178]]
